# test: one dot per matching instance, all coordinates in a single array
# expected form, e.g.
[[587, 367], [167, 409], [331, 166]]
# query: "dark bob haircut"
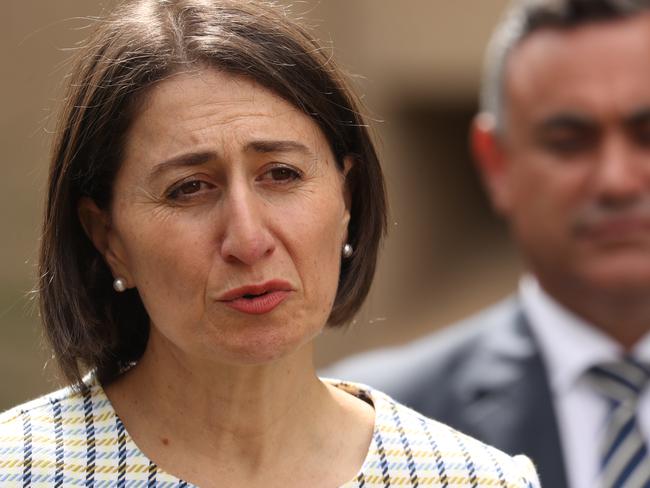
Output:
[[139, 44]]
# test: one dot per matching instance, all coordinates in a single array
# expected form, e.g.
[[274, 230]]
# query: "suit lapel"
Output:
[[511, 406]]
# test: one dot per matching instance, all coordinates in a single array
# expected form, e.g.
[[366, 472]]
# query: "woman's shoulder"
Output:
[[32, 418], [73, 437], [33, 435], [410, 446], [42, 408], [457, 455]]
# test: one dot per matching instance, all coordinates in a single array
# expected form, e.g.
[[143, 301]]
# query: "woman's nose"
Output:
[[246, 238]]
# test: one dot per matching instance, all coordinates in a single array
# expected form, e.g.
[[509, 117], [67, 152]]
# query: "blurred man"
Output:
[[563, 145]]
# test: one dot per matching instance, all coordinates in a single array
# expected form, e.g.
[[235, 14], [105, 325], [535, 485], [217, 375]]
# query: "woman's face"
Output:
[[229, 215]]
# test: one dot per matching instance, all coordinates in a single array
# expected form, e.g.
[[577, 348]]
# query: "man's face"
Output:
[[574, 171]]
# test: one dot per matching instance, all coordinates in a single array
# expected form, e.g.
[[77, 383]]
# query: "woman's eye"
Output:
[[281, 174], [188, 188]]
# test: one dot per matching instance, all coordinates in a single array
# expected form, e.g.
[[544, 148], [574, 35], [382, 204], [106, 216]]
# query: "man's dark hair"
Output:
[[524, 17], [137, 45]]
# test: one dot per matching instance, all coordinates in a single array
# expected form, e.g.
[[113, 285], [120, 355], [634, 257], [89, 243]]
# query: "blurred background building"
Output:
[[417, 63]]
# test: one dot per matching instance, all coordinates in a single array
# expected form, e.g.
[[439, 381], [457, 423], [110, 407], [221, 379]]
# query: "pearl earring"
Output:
[[347, 250], [119, 285]]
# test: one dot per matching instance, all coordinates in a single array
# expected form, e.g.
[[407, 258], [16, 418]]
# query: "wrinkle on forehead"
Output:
[[215, 112], [206, 103], [234, 104]]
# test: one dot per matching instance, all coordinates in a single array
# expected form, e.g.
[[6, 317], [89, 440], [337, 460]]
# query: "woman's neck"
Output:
[[185, 414]]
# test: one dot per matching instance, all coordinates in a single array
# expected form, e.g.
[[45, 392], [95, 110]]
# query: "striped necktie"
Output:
[[625, 462]]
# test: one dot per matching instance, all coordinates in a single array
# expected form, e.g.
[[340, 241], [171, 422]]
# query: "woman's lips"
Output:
[[259, 304], [257, 299]]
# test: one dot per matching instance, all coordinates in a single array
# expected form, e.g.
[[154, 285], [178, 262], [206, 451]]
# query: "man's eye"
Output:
[[568, 139], [568, 145], [642, 137]]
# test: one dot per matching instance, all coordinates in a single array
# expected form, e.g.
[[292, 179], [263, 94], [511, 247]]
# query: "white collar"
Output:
[[569, 344]]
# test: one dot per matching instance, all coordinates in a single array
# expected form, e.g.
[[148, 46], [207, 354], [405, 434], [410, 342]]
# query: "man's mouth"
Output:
[[617, 229]]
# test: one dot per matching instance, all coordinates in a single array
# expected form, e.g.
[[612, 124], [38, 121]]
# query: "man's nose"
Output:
[[246, 238], [619, 175]]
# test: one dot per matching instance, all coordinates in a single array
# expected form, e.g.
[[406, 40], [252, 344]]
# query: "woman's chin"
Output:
[[262, 349]]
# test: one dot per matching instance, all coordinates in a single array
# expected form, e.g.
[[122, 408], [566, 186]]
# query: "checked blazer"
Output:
[[71, 438], [484, 376]]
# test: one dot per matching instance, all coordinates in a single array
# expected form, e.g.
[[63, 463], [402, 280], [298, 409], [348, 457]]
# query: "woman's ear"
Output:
[[96, 224], [348, 164]]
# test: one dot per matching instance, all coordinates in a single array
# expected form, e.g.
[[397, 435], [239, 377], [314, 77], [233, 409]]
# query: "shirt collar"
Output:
[[641, 349], [558, 332]]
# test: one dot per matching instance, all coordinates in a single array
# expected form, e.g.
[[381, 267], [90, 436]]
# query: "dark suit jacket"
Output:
[[484, 377]]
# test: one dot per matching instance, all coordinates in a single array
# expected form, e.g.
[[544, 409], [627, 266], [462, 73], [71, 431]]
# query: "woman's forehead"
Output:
[[212, 109], [209, 91]]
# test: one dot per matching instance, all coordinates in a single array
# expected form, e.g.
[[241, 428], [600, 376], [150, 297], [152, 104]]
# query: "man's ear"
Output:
[[491, 161], [96, 224]]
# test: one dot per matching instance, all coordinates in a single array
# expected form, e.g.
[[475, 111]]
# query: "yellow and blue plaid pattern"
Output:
[[73, 438], [410, 450]]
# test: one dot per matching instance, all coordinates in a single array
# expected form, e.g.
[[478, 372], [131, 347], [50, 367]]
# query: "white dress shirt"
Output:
[[569, 347]]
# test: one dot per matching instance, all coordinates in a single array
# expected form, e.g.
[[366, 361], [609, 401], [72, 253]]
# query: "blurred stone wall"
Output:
[[417, 63]]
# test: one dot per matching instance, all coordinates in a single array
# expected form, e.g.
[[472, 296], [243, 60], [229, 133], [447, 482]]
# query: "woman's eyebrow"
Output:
[[182, 160], [270, 146], [201, 157]]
